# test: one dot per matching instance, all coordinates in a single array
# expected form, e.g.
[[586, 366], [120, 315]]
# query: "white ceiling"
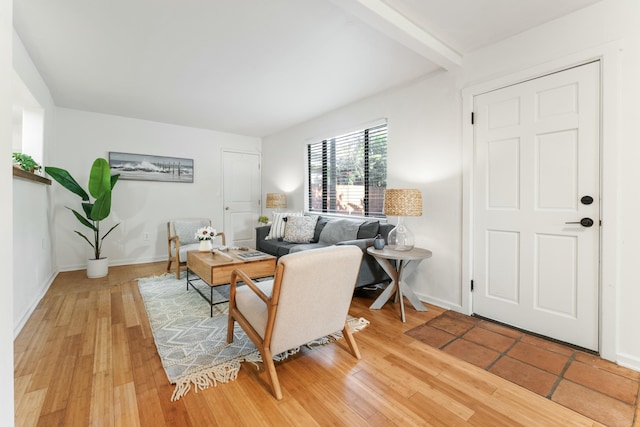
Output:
[[254, 67]]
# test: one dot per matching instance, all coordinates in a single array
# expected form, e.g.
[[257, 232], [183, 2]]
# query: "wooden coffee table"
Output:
[[215, 268]]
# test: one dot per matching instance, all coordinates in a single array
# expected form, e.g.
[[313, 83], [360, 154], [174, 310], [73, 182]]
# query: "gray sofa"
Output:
[[370, 271]]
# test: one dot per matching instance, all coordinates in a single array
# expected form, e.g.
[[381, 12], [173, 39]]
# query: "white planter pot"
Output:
[[97, 268]]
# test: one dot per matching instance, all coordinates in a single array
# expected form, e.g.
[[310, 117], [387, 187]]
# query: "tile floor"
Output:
[[576, 379]]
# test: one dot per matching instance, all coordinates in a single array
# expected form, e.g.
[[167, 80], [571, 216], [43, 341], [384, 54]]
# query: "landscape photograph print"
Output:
[[143, 167]]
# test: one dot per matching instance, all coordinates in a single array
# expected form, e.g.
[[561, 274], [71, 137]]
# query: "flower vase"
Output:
[[205, 246]]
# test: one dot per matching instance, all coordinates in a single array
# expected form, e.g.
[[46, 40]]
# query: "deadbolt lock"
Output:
[[586, 200]]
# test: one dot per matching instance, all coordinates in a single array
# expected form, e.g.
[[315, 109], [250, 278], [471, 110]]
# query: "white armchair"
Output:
[[181, 238], [308, 298]]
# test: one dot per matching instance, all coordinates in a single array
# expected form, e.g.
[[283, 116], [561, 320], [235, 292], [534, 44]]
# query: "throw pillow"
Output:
[[339, 230], [278, 224], [322, 221], [300, 229], [368, 229]]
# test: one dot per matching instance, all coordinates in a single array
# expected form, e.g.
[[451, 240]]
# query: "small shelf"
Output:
[[19, 173]]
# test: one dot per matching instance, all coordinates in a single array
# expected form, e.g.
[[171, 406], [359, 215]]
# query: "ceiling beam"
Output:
[[395, 25]]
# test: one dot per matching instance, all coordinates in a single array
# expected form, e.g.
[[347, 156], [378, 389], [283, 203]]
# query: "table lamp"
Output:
[[402, 202], [276, 201]]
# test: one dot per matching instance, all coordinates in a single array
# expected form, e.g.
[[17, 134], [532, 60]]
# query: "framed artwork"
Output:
[[144, 167]]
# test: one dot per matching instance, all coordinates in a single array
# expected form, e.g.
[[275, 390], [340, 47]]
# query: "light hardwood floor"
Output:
[[87, 357]]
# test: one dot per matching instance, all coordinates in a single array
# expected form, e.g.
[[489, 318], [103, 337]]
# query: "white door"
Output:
[[241, 197], [536, 176]]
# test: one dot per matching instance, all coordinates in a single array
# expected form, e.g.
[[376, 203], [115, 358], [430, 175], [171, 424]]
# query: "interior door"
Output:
[[241, 197], [536, 177]]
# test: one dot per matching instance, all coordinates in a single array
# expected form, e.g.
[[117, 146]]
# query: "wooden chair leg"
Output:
[[168, 265], [270, 367], [351, 342], [230, 325]]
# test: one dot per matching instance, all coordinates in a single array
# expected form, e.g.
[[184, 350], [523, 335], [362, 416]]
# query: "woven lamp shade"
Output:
[[276, 200], [403, 202]]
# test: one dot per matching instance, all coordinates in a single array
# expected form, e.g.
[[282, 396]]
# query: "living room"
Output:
[[429, 139]]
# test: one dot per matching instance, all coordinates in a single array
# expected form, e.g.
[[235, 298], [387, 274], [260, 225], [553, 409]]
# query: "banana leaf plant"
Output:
[[101, 183]]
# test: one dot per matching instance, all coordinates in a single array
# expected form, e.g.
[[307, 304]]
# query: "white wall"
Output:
[[425, 151], [6, 214], [139, 206], [32, 243], [32, 263], [628, 136]]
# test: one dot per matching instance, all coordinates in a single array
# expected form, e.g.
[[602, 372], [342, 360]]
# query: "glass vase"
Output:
[[400, 238]]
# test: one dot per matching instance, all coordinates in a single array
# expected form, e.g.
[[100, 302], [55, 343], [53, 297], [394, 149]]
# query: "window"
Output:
[[28, 121], [348, 173]]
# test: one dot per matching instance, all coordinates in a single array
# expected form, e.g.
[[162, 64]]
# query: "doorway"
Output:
[[242, 194], [536, 209]]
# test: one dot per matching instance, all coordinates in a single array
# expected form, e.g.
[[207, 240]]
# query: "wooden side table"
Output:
[[406, 263]]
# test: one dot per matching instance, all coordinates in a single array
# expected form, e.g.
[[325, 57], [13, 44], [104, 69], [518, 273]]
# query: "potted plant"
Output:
[[26, 162], [263, 219], [101, 183]]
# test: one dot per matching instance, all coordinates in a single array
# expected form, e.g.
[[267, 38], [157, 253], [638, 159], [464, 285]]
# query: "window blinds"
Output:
[[348, 173]]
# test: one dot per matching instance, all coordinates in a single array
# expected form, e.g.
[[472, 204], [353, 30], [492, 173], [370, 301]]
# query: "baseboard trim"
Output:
[[440, 303], [628, 361], [115, 263], [27, 314]]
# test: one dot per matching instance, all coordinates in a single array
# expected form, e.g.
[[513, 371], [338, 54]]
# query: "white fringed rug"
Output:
[[191, 344]]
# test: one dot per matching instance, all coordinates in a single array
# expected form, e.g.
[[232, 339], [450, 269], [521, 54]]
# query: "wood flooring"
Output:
[[86, 357]]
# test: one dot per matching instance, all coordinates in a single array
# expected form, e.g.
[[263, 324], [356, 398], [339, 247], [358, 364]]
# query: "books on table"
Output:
[[247, 256]]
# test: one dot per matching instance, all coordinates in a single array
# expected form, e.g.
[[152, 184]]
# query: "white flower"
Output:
[[206, 233]]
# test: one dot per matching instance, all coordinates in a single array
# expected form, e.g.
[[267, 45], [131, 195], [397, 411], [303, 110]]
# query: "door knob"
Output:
[[585, 222], [227, 208]]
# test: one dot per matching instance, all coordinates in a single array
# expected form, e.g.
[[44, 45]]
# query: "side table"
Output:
[[406, 263]]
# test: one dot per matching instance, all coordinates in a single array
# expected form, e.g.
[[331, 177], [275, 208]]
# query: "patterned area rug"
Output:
[[191, 344]]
